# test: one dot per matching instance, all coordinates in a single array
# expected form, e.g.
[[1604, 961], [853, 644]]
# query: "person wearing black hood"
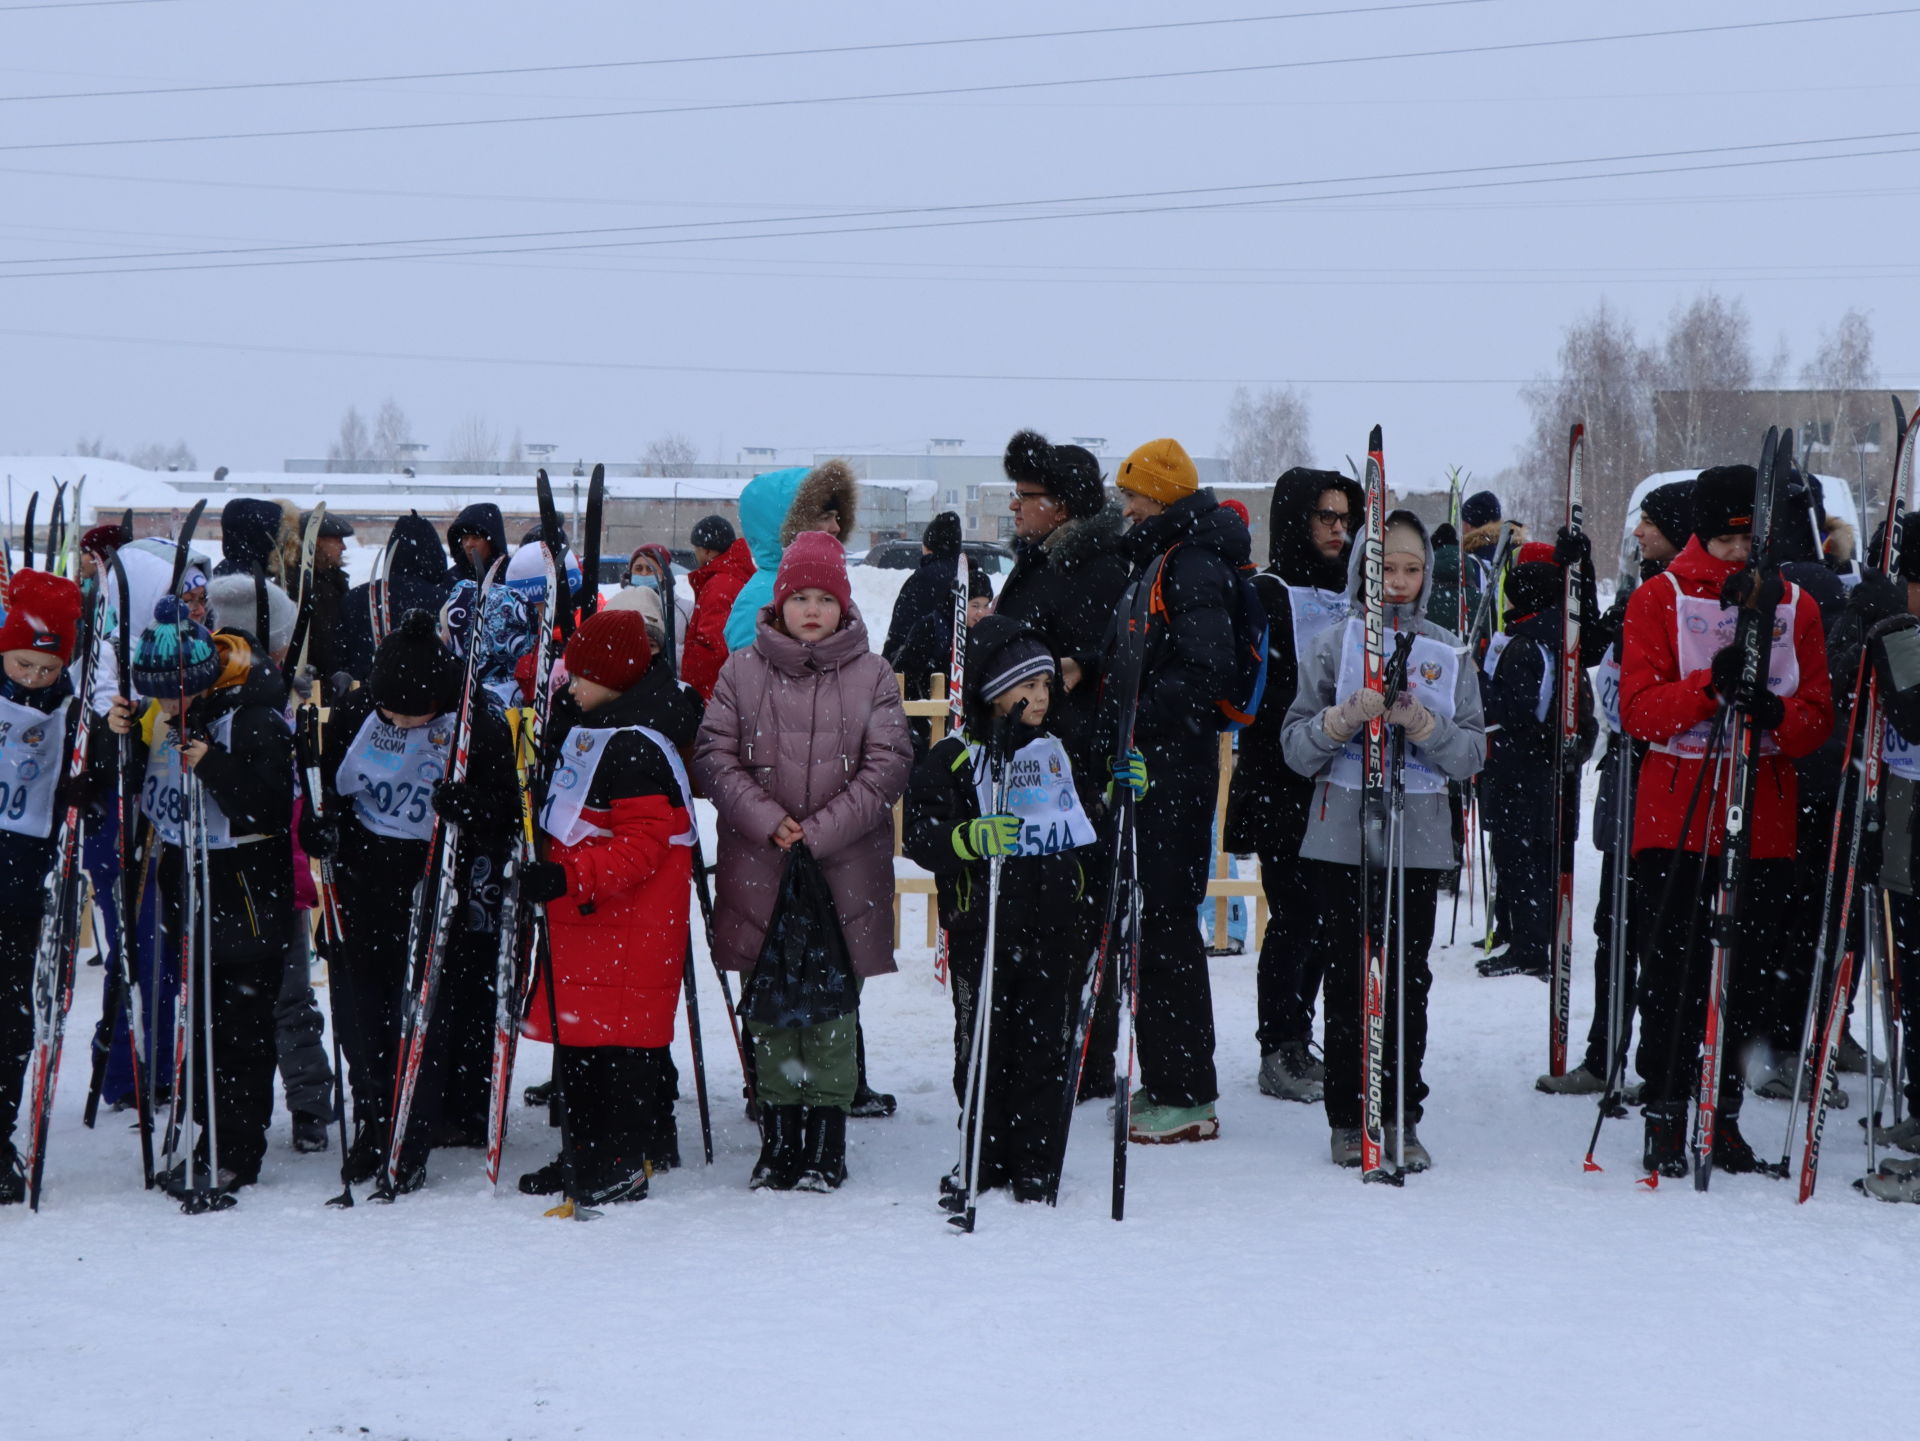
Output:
[[1190, 664], [919, 640], [383, 765], [417, 579], [476, 539], [1520, 693], [1661, 532], [249, 536], [1304, 588]]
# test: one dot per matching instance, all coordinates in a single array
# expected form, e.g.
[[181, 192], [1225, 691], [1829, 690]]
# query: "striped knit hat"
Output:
[[175, 655]]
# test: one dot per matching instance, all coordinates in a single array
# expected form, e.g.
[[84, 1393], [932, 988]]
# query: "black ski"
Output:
[[590, 562]]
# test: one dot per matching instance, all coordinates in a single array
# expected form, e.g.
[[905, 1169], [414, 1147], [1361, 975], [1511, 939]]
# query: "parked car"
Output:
[[990, 557]]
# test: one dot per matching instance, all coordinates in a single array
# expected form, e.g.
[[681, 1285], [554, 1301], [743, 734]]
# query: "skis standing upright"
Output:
[[1120, 687], [303, 591], [956, 703], [53, 962], [1373, 820], [427, 948], [1752, 638], [1865, 784], [590, 566], [1566, 797]]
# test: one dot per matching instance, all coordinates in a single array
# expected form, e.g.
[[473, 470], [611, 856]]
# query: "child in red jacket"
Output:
[[1677, 668], [619, 835]]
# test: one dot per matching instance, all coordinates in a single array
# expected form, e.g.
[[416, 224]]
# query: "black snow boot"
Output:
[[1731, 1153], [309, 1133], [367, 1155], [868, 1103], [825, 1165], [549, 1180], [13, 1180], [538, 1096], [1666, 1145], [782, 1144]]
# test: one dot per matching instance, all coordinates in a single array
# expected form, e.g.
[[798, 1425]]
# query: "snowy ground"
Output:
[[1252, 1291]]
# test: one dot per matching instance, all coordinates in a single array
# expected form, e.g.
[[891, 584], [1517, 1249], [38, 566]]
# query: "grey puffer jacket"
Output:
[[815, 732], [1457, 748]]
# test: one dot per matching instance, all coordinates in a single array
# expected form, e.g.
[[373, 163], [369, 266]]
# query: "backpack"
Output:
[[1241, 703]]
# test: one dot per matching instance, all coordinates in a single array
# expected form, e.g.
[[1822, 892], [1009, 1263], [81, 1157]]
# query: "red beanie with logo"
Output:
[[610, 649], [43, 611]]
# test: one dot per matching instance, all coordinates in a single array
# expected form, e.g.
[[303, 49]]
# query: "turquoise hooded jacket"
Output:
[[763, 511]]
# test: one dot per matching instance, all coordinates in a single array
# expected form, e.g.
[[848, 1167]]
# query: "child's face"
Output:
[[32, 669], [1036, 691], [1405, 573], [978, 606], [811, 614]]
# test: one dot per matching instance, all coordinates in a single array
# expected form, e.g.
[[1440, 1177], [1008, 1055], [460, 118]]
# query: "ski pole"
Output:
[[692, 988]]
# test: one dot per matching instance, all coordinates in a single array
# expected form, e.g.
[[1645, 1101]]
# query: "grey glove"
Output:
[[1341, 721]]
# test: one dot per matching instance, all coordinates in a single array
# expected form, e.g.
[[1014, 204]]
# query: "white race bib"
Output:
[[1314, 611], [1606, 685], [32, 757], [1900, 755], [389, 774], [164, 803], [1041, 792], [1703, 628], [1433, 669], [573, 779]]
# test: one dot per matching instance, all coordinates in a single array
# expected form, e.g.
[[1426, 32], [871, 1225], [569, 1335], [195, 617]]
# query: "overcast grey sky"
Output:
[[1418, 310]]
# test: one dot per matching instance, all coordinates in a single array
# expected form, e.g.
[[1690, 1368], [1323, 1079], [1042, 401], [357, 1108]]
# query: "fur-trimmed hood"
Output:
[[829, 486], [1073, 543], [1842, 542], [1487, 537]]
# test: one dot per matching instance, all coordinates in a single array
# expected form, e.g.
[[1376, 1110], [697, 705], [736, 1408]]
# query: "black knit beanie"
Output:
[[713, 532], [413, 674], [1670, 508], [942, 535], [1723, 501]]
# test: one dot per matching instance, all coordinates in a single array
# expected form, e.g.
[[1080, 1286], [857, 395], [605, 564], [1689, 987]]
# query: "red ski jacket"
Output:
[[619, 935], [715, 585], [1658, 703]]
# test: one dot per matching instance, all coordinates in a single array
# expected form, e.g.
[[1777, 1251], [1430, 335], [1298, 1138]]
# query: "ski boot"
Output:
[[1665, 1150], [549, 1180], [1731, 1153], [13, 1180]]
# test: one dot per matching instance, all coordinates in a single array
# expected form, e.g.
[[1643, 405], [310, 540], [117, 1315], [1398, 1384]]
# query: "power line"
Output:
[[83, 5], [970, 207], [547, 363], [1005, 87], [816, 50]]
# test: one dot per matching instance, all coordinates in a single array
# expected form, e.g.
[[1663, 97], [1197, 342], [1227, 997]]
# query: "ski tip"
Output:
[[1374, 439]]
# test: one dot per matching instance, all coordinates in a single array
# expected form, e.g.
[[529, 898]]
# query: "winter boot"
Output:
[[1096, 1084], [1904, 1134], [1665, 1151], [1157, 1125], [824, 1162], [549, 1180], [1731, 1153], [1286, 1073], [309, 1133], [538, 1096], [1506, 964], [1577, 1082], [367, 1154], [13, 1181], [1345, 1146], [870, 1104], [1418, 1157], [782, 1139], [1894, 1181], [410, 1179]]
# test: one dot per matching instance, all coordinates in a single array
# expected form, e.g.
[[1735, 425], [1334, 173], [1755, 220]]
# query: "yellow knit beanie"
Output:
[[1160, 470]]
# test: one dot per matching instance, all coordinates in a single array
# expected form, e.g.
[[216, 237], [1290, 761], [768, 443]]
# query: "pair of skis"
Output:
[[956, 704], [1566, 781], [1118, 947]]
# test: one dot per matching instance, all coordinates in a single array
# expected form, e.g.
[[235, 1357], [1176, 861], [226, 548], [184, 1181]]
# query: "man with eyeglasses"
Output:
[[1309, 538]]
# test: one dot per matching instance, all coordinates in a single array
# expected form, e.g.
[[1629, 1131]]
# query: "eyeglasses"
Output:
[[1331, 517], [1032, 497]]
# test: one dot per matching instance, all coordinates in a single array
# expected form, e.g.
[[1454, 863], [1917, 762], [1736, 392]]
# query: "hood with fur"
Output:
[[829, 486]]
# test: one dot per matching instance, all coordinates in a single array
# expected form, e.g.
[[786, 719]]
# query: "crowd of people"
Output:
[[287, 762]]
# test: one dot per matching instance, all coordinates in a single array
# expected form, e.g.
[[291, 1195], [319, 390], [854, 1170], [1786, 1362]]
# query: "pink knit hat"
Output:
[[813, 559]]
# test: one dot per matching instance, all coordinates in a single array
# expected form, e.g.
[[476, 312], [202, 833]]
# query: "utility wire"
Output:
[[978, 208], [815, 50], [1006, 87]]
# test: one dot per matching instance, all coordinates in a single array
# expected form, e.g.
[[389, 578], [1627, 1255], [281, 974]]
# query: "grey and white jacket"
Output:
[[1455, 750]]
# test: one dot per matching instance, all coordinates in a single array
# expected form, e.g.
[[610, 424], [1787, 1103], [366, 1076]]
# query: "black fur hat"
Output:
[[1068, 473]]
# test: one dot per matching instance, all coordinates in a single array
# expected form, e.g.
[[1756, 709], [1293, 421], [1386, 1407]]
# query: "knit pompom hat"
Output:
[[814, 560], [176, 655]]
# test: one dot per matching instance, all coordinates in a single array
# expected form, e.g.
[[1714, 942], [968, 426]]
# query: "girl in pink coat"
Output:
[[805, 740]]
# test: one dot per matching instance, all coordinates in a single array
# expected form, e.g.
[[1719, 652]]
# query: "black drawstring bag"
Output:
[[803, 976]]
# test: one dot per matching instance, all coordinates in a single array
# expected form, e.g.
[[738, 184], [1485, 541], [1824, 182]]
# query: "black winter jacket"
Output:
[[941, 795], [1267, 800], [1524, 743], [922, 614], [482, 518], [251, 779], [1190, 661], [1066, 585]]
